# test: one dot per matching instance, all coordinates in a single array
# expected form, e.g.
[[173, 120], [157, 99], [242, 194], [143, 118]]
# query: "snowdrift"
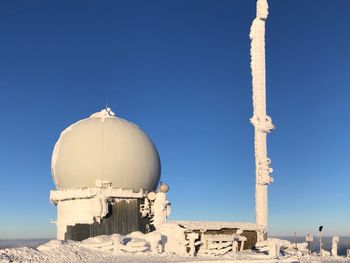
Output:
[[139, 247]]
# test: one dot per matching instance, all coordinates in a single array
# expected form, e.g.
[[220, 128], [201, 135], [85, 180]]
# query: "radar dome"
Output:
[[105, 148]]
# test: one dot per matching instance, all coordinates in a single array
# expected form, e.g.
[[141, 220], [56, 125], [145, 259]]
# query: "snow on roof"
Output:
[[212, 225], [105, 113], [89, 192]]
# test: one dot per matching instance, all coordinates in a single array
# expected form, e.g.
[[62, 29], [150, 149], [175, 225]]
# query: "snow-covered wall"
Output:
[[86, 205], [82, 211], [128, 209]]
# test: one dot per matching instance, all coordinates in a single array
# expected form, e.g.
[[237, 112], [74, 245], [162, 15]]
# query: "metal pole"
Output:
[[261, 121], [320, 230]]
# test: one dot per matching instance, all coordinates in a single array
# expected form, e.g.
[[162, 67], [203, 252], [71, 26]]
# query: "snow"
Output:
[[105, 113], [261, 122], [89, 192], [90, 204], [335, 241], [174, 238], [86, 205], [205, 225], [91, 250], [161, 209], [83, 211]]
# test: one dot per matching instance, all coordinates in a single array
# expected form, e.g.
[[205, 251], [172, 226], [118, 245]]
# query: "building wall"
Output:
[[123, 218]]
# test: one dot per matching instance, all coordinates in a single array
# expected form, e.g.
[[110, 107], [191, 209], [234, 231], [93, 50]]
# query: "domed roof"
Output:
[[105, 148]]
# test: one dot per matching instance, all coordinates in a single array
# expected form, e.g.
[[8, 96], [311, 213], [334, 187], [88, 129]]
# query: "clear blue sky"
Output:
[[180, 70]]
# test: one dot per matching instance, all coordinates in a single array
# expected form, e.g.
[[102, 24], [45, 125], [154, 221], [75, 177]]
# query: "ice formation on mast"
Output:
[[261, 121]]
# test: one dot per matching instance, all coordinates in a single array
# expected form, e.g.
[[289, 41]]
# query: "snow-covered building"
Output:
[[104, 167], [107, 172]]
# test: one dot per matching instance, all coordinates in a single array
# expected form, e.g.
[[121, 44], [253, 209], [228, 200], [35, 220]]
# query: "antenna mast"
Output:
[[261, 121]]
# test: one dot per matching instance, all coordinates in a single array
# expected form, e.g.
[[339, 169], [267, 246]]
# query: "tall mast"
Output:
[[261, 121]]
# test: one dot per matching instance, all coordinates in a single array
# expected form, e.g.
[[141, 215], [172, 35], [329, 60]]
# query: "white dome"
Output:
[[105, 148]]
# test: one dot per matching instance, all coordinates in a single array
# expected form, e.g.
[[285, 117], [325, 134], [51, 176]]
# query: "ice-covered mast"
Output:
[[261, 121]]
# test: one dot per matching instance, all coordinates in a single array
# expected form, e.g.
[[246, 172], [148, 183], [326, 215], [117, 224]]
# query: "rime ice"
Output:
[[261, 121]]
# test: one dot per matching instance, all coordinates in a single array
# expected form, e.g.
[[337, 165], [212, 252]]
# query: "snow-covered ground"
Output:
[[343, 245], [77, 252]]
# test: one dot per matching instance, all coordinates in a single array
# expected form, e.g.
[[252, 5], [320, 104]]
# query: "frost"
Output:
[[261, 121], [105, 113], [136, 247], [205, 225], [335, 241], [86, 205]]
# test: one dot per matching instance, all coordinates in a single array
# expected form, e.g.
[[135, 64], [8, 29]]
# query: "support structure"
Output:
[[261, 121], [102, 210]]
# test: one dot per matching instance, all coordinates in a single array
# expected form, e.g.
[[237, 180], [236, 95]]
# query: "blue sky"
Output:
[[180, 70]]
